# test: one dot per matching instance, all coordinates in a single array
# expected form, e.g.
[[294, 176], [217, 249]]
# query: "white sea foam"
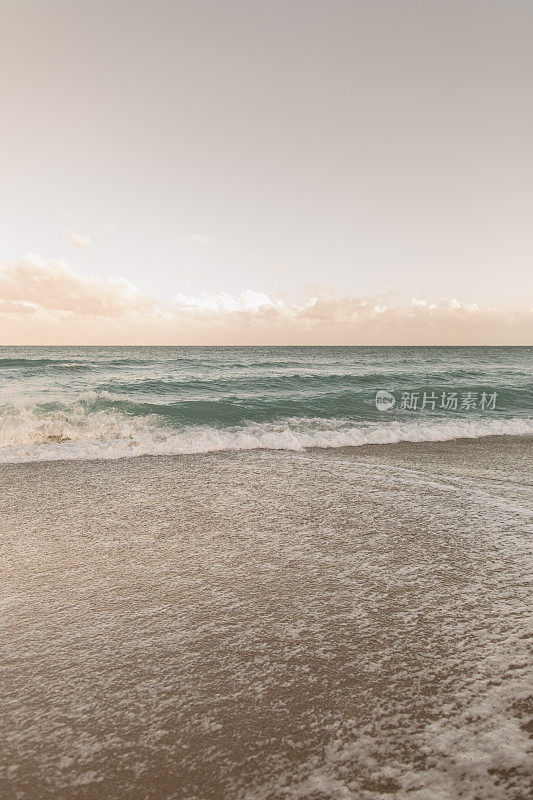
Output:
[[26, 434]]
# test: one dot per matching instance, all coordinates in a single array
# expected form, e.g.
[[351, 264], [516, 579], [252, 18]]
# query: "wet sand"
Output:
[[343, 623]]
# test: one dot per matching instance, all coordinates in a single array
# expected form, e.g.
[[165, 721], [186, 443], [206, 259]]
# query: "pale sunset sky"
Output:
[[281, 172]]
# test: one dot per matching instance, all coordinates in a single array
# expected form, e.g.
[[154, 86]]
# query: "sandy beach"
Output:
[[341, 623]]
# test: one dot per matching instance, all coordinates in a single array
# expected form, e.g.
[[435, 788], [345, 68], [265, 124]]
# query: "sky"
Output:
[[285, 172]]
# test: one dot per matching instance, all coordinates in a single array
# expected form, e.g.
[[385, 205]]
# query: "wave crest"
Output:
[[76, 432]]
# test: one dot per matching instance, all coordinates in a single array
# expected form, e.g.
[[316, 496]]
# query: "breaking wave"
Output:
[[93, 403], [28, 434]]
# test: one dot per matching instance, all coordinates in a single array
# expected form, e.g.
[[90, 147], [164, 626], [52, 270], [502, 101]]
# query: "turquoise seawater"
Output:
[[112, 402]]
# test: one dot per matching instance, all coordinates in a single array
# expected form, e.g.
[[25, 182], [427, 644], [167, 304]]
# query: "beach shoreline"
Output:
[[269, 624]]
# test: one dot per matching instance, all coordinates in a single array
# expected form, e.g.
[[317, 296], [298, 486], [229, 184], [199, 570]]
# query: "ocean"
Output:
[[114, 402], [228, 575]]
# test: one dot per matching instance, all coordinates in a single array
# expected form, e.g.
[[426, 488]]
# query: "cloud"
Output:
[[80, 240], [47, 302], [194, 238], [223, 303], [55, 288]]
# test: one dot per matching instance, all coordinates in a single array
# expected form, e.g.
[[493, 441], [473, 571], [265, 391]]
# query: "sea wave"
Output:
[[76, 433]]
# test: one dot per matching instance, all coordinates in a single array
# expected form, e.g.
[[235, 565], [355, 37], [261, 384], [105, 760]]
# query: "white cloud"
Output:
[[48, 302], [224, 303], [80, 240], [55, 287], [194, 238]]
